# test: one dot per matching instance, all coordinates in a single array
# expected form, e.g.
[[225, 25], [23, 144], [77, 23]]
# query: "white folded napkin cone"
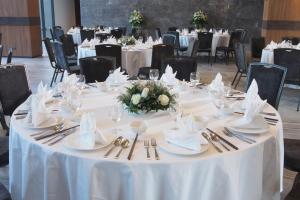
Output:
[[117, 77], [217, 84], [85, 43], [169, 77], [43, 92], [185, 136], [39, 111], [89, 134]]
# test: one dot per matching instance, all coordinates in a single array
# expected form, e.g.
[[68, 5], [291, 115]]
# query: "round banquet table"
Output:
[[267, 56], [132, 59], [38, 171]]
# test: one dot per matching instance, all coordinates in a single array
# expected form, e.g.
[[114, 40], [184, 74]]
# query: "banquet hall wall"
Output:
[[165, 13]]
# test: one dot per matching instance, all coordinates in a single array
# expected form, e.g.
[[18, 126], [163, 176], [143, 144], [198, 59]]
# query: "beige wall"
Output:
[[64, 11]]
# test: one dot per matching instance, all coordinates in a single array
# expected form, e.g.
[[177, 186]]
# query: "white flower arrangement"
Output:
[[136, 19], [199, 19]]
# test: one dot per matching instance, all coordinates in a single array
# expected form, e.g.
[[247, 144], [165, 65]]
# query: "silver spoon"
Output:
[[57, 127], [116, 143], [215, 138], [124, 145]]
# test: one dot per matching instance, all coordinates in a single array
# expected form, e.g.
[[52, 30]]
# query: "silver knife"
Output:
[[209, 140], [242, 137]]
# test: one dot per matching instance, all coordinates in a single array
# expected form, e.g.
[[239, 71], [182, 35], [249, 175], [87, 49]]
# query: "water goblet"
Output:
[[116, 115], [193, 78], [153, 74]]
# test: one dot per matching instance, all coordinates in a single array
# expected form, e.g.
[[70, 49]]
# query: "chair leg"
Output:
[[238, 81], [227, 57], [216, 56], [54, 74], [235, 77], [62, 76], [298, 105]]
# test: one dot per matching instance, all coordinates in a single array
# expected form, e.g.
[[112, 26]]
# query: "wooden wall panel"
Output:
[[281, 18], [20, 27]]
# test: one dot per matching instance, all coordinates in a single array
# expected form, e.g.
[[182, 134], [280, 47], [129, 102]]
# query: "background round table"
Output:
[[132, 59], [267, 56], [39, 171]]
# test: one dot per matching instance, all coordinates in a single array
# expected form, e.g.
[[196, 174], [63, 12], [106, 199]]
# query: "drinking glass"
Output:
[[176, 113], [193, 78], [116, 115], [219, 101], [154, 74], [81, 82]]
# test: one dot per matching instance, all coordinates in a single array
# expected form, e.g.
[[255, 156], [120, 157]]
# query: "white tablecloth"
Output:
[[38, 171], [132, 59], [217, 41], [76, 36], [267, 56]]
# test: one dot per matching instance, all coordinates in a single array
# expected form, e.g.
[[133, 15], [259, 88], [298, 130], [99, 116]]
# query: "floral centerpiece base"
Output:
[[147, 97]]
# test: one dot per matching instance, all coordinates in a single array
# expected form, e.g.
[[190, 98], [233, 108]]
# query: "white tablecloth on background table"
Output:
[[267, 56], [187, 41], [132, 59], [39, 171]]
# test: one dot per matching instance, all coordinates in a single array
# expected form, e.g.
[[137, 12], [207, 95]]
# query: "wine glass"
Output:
[[219, 101], [116, 115], [153, 74], [81, 81], [193, 78], [176, 113]]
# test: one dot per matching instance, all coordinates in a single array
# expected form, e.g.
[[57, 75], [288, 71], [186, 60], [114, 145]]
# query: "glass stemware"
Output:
[[116, 115], [193, 79], [153, 74], [219, 101]]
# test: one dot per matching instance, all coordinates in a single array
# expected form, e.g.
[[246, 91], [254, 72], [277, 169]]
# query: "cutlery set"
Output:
[[153, 145], [119, 142], [269, 120]]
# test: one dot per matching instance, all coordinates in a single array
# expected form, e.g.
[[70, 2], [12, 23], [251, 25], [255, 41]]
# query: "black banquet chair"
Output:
[[172, 28], [62, 61], [116, 33], [293, 40], [52, 60], [57, 32], [10, 99], [289, 58], [270, 80], [86, 34], [157, 33], [69, 48], [9, 55], [195, 48], [1, 53], [205, 40], [111, 52], [257, 45], [159, 53], [169, 39], [177, 42], [184, 66], [241, 63], [95, 68]]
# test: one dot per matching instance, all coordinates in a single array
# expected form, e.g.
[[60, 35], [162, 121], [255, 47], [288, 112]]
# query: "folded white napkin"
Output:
[[253, 105], [43, 92], [85, 43], [39, 112], [217, 84], [169, 76], [71, 30], [70, 81], [110, 40], [158, 41], [117, 77], [226, 32], [273, 45], [210, 30], [89, 134], [94, 42], [185, 136]]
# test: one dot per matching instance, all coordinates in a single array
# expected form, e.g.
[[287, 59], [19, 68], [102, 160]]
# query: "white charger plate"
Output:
[[72, 142], [177, 150]]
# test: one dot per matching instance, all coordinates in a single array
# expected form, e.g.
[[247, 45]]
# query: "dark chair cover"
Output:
[[111, 52], [270, 80], [205, 40], [69, 46], [87, 34], [95, 68], [116, 33], [182, 65], [172, 28], [257, 45]]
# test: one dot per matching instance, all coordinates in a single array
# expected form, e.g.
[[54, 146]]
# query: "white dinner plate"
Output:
[[249, 130], [174, 149], [72, 142], [47, 124]]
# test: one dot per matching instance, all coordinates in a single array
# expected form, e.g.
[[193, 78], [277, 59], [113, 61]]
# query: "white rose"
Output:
[[145, 92], [163, 100], [135, 99]]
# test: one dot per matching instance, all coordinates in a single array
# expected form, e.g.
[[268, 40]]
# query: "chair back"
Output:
[[159, 53], [61, 60], [182, 65], [257, 45], [111, 52], [289, 58], [235, 36], [116, 33], [68, 45], [86, 34], [169, 39], [95, 68], [9, 56], [0, 38], [293, 40], [270, 81], [50, 51], [172, 28], [58, 32], [195, 48], [102, 36], [157, 33], [1, 53], [205, 40], [176, 34], [240, 57], [191, 29], [243, 34], [14, 88]]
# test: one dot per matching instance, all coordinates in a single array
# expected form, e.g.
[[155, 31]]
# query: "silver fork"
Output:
[[154, 145], [146, 145]]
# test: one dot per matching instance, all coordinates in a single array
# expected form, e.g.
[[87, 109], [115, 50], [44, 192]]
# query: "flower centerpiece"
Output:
[[127, 41], [199, 19], [136, 19], [145, 97]]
